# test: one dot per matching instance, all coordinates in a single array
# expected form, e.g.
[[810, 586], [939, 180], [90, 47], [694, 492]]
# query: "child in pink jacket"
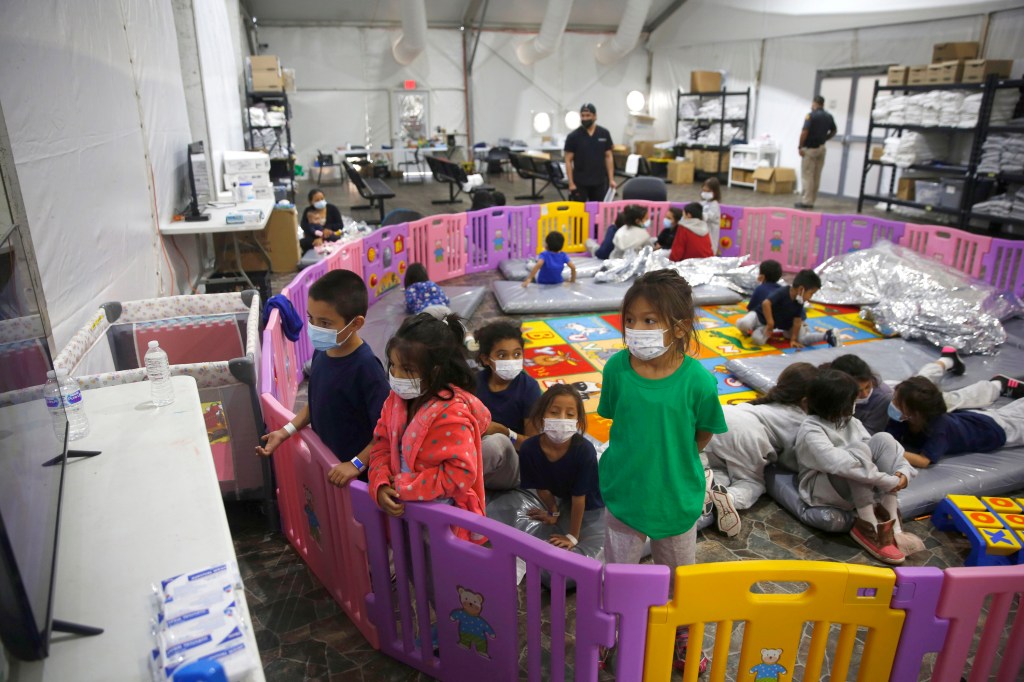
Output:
[[426, 446]]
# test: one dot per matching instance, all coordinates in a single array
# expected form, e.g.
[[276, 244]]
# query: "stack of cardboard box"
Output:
[[951, 63], [265, 74]]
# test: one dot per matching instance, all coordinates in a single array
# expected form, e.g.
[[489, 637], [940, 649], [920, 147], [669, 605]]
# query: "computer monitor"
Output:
[[198, 182]]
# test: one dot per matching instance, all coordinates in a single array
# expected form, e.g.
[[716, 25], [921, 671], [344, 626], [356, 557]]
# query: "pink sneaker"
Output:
[[682, 639]]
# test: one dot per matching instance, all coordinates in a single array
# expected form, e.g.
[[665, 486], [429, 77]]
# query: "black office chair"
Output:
[[323, 161], [645, 188], [418, 163]]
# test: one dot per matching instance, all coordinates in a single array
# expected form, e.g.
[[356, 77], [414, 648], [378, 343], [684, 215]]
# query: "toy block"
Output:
[[966, 502], [1014, 521], [1002, 504], [983, 519], [1000, 541]]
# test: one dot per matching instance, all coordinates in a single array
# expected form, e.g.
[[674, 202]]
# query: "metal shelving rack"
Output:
[[279, 168], [706, 122]]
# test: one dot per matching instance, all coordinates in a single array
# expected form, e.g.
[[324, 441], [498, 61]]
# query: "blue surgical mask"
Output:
[[667, 222], [325, 339], [647, 224], [895, 414], [320, 205]]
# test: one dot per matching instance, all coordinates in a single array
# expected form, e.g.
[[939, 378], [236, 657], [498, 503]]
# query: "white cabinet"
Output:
[[744, 159]]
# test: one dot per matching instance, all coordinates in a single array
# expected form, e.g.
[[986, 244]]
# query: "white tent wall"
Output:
[[506, 92], [95, 110], [1006, 38], [345, 77], [217, 33]]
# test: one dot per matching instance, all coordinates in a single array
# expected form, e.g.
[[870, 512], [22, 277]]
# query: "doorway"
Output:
[[847, 94]]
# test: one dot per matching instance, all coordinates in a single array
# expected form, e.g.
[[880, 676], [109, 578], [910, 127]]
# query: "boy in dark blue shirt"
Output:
[[548, 269], [347, 384], [769, 274], [784, 309]]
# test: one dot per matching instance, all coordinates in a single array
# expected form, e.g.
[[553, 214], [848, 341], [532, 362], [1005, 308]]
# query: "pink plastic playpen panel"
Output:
[[602, 216], [1003, 266], [298, 293], [348, 257], [385, 259], [781, 234], [439, 243], [841, 234], [319, 520], [959, 250], [277, 364], [729, 233], [191, 340]]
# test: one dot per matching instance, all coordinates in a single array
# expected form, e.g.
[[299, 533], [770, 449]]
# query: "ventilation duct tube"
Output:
[[546, 41]]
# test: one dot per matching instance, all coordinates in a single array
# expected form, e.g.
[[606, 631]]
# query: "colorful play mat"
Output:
[[573, 350]]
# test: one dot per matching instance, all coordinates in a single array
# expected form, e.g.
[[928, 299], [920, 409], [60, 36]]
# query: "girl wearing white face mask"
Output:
[[510, 394], [320, 222], [664, 406], [561, 465], [710, 199], [427, 443]]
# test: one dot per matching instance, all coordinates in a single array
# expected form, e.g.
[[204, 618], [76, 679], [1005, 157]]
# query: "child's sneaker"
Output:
[[878, 542], [682, 640], [958, 364], [709, 482], [833, 338], [1011, 388], [728, 518]]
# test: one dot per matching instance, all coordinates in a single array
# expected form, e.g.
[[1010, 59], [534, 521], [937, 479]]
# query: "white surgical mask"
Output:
[[646, 344], [706, 196], [667, 222], [865, 399], [508, 369], [800, 299], [320, 205], [560, 430], [407, 389]]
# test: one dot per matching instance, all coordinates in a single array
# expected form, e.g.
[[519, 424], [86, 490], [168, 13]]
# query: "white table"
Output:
[[148, 508], [217, 224]]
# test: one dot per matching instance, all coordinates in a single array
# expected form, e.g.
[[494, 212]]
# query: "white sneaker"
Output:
[[728, 518], [709, 481]]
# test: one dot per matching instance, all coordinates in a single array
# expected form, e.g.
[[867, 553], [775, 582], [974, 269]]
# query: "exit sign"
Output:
[[409, 85]]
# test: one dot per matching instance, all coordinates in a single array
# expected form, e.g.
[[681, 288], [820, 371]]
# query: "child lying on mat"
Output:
[[784, 310], [760, 432], [921, 422], [842, 465]]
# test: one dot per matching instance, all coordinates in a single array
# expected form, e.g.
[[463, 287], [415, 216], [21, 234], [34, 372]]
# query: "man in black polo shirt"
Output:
[[819, 128], [588, 158]]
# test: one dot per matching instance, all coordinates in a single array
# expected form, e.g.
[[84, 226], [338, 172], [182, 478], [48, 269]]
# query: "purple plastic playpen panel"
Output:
[[629, 591], [521, 232], [1003, 266], [964, 592], [841, 234], [348, 257], [385, 259], [728, 235], [955, 248], [473, 592], [317, 518], [298, 294], [917, 592], [781, 234], [439, 243]]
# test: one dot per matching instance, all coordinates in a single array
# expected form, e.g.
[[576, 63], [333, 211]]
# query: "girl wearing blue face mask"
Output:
[[664, 406], [668, 227], [320, 222], [427, 443]]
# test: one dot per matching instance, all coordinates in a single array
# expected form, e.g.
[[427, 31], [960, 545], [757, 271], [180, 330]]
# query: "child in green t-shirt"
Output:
[[664, 406]]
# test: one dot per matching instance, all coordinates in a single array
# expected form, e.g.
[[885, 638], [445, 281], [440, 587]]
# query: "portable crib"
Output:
[[905, 616]]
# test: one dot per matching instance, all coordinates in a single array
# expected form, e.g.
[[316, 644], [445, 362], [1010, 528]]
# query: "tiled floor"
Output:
[[302, 633]]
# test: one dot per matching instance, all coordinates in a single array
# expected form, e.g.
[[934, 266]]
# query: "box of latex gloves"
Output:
[[201, 618]]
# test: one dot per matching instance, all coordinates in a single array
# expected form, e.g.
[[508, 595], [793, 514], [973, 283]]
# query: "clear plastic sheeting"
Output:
[[918, 298], [719, 271]]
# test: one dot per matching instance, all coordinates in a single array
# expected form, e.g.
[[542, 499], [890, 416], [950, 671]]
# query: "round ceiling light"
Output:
[[572, 120], [635, 101], [541, 122]]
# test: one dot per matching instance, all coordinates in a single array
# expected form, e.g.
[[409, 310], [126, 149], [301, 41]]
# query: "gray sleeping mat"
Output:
[[1014, 332], [586, 296], [516, 269], [386, 315]]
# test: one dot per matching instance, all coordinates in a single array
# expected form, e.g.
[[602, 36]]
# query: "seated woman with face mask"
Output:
[[320, 222]]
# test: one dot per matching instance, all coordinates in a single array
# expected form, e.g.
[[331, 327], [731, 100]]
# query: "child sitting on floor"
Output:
[[921, 422], [421, 293], [669, 224], [550, 262], [768, 275], [633, 235], [560, 464], [426, 445], [692, 238], [784, 310], [843, 466], [760, 433]]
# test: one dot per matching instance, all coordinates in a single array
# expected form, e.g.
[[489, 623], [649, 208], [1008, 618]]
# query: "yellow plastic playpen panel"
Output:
[[720, 593], [568, 217]]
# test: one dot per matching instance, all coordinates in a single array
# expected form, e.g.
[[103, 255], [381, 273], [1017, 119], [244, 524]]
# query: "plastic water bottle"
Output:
[[158, 370], [63, 390]]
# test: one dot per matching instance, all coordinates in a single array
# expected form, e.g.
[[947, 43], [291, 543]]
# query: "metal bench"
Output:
[[454, 176], [372, 189]]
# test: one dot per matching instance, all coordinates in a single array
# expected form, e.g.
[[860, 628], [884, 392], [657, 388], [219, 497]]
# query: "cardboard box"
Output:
[[705, 81], [646, 148], [944, 52], [945, 72], [742, 175], [897, 75], [710, 160], [905, 189], [246, 162], [264, 62], [978, 70], [775, 180], [917, 75], [266, 81], [680, 172], [876, 152], [279, 239]]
